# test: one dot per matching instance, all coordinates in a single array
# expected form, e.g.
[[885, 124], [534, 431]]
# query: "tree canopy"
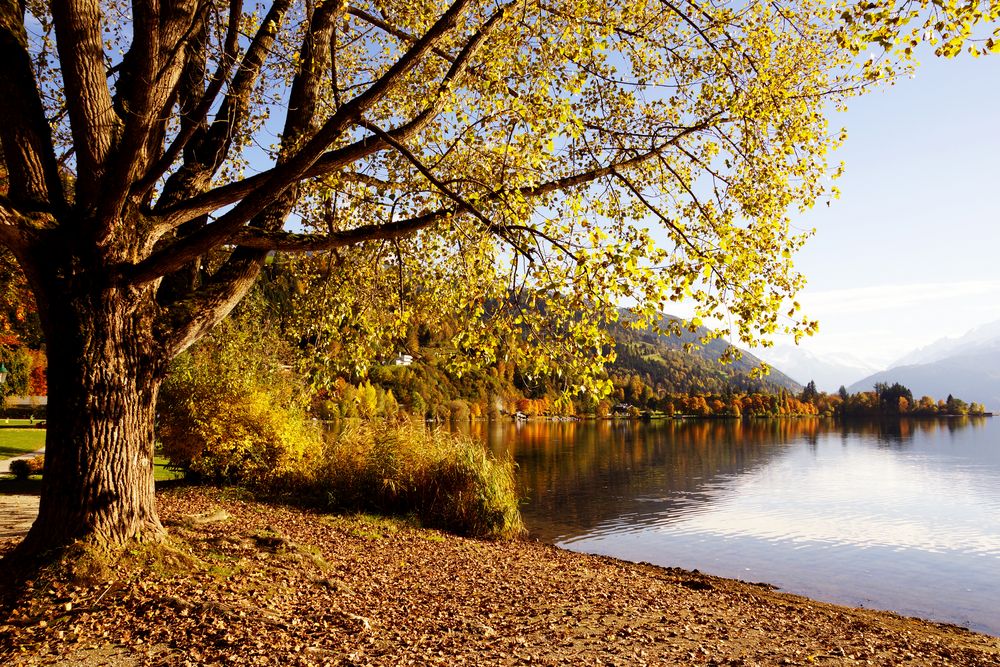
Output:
[[643, 150], [537, 162]]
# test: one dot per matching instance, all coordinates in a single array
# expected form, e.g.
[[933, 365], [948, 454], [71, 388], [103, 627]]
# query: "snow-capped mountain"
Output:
[[979, 339], [828, 372]]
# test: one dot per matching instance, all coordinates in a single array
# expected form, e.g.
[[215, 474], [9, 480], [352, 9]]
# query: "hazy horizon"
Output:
[[906, 256]]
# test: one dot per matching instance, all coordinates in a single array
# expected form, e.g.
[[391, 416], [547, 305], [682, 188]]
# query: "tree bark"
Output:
[[105, 369]]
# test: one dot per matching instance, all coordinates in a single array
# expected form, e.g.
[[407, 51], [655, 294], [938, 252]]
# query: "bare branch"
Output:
[[534, 231], [289, 241], [297, 242], [188, 320], [19, 229], [588, 176], [294, 242], [199, 311], [211, 151], [332, 161], [146, 86], [428, 174], [407, 37], [659, 214], [306, 85]]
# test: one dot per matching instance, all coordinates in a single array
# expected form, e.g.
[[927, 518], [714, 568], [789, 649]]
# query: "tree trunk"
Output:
[[105, 369]]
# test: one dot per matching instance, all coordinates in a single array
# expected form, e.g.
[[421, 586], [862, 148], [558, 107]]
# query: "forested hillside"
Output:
[[662, 361], [649, 370]]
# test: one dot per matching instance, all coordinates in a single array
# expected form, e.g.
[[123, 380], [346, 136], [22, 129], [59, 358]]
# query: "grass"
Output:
[[28, 423], [16, 441], [161, 471]]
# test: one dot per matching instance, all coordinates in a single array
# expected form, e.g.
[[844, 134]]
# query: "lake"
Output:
[[902, 515]]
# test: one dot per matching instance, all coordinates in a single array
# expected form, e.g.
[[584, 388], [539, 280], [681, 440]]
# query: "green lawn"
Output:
[[19, 422], [161, 472], [18, 441]]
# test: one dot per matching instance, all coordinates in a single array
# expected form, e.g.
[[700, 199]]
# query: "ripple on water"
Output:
[[908, 524]]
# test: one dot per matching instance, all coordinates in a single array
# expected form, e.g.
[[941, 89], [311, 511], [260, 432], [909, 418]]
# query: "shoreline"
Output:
[[282, 585]]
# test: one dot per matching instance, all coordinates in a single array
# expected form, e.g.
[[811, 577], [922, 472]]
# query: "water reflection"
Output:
[[898, 514]]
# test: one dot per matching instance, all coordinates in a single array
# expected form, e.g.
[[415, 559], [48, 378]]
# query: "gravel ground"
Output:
[[256, 584]]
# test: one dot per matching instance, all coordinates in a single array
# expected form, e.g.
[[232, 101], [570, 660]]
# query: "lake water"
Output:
[[902, 516]]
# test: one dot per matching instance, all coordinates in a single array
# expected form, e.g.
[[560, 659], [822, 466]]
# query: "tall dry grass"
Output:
[[447, 481]]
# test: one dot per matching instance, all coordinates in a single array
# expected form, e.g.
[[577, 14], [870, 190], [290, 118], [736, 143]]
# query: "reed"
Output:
[[447, 481]]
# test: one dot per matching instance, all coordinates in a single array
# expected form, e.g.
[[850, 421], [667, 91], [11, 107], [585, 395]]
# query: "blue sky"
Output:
[[911, 251]]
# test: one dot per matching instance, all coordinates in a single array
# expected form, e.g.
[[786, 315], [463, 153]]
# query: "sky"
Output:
[[910, 253]]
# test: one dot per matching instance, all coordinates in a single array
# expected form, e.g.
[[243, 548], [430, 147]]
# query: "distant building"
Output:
[[403, 360]]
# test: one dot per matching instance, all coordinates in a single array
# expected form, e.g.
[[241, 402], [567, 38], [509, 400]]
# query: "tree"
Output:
[[901, 26], [600, 152], [18, 318], [18, 361], [888, 397]]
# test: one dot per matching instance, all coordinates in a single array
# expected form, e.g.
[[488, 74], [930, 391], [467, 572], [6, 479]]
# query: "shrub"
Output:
[[227, 413], [447, 481], [24, 468], [459, 411]]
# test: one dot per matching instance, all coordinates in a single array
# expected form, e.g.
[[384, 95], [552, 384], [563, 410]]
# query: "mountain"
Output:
[[984, 337], [828, 373], [968, 367], [660, 359]]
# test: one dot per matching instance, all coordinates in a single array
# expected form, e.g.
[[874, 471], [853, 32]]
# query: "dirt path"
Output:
[[17, 513], [271, 585]]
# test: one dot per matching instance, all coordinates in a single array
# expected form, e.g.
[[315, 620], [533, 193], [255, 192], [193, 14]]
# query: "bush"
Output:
[[24, 468], [459, 411], [227, 413], [447, 481]]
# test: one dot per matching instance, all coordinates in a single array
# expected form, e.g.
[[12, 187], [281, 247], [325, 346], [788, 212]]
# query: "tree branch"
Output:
[[19, 229], [407, 37], [146, 85], [659, 214], [298, 165], [588, 176], [331, 161], [189, 319], [170, 216], [249, 237], [25, 136], [88, 99], [210, 153], [195, 120], [203, 309], [297, 242]]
